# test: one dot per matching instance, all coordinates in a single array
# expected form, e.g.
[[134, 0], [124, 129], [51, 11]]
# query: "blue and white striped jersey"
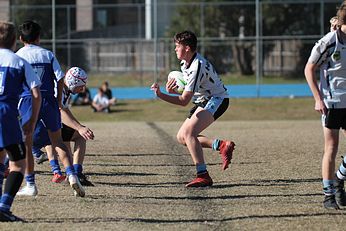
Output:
[[45, 65], [202, 79], [329, 53], [16, 75]]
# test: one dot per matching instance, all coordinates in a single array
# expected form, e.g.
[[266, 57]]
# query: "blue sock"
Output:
[[201, 168], [54, 164], [36, 152], [78, 168], [30, 179], [6, 202], [2, 172], [328, 187], [70, 170], [216, 144]]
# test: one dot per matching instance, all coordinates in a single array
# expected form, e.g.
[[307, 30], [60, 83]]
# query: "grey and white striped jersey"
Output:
[[330, 54]]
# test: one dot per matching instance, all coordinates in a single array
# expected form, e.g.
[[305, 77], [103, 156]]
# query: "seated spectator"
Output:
[[82, 98], [100, 102], [108, 92]]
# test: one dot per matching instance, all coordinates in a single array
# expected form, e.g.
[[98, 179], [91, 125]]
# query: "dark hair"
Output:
[[7, 35], [29, 31], [187, 38]]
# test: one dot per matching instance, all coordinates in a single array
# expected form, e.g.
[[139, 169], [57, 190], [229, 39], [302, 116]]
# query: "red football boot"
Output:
[[57, 178], [202, 180], [226, 151]]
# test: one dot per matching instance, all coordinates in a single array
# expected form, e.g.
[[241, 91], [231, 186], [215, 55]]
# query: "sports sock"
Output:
[[216, 145], [70, 170], [341, 173], [54, 164], [78, 168], [2, 173], [30, 179], [12, 185], [201, 168], [328, 187], [36, 152]]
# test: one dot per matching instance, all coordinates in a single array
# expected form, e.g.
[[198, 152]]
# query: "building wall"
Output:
[[84, 14], [4, 10]]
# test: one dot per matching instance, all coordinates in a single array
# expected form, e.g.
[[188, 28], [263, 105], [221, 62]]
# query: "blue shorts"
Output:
[[40, 136], [216, 106], [49, 112], [10, 129]]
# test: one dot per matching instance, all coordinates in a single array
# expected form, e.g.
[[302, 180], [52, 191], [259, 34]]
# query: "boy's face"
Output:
[[181, 51], [78, 89]]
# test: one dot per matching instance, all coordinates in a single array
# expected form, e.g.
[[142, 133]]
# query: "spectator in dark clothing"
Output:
[[82, 98], [108, 92]]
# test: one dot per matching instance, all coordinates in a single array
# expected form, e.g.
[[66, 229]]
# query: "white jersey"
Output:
[[202, 79], [65, 98], [330, 54], [45, 65], [101, 100]]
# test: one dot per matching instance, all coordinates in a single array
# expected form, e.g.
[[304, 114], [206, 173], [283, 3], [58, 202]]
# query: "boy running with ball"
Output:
[[210, 97]]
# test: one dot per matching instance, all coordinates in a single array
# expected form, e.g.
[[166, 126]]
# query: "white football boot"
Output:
[[28, 190], [76, 186]]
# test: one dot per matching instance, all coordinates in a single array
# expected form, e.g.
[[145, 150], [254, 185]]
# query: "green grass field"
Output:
[[240, 109]]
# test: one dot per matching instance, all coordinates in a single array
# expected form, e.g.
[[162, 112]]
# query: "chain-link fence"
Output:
[[249, 38]]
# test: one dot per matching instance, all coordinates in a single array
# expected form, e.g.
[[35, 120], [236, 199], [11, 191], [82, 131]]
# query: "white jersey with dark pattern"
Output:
[[65, 98], [329, 53], [202, 79]]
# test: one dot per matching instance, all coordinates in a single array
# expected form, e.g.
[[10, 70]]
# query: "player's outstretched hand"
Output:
[[86, 133], [156, 88], [171, 86]]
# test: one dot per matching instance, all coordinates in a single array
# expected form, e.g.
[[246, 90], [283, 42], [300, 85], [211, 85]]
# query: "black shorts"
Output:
[[67, 133], [335, 118], [15, 152], [216, 106]]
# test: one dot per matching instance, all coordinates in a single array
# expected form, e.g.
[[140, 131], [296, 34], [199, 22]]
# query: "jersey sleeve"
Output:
[[31, 77], [59, 74], [320, 51], [65, 100]]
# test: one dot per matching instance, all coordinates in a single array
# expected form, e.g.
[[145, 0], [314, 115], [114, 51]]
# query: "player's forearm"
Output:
[[68, 119], [312, 81], [177, 100], [59, 92]]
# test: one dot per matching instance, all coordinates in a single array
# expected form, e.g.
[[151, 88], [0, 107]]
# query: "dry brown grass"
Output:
[[139, 171]]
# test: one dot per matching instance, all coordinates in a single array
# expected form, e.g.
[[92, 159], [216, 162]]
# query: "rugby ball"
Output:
[[179, 80]]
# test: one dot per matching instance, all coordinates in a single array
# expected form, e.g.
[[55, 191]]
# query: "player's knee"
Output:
[[18, 166], [180, 139]]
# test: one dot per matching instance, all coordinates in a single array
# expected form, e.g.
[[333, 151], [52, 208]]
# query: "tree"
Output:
[[217, 21], [238, 23]]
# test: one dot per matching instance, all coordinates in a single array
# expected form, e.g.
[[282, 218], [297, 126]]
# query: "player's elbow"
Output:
[[184, 102], [309, 69]]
